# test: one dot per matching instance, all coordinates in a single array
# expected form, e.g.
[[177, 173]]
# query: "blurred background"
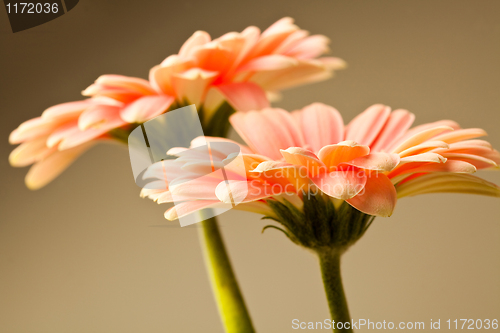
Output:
[[86, 254]]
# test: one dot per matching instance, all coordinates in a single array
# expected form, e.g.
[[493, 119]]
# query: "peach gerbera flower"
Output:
[[369, 163], [240, 68]]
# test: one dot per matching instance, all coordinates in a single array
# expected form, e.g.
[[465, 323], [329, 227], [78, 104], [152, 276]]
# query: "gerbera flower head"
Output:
[[237, 71], [360, 169]]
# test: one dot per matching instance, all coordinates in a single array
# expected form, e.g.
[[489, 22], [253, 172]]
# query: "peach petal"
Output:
[[447, 183], [423, 147], [303, 157], [461, 134], [30, 152], [344, 151], [32, 129], [478, 161], [376, 161], [268, 63], [421, 137], [199, 38], [44, 171], [191, 86], [378, 198]]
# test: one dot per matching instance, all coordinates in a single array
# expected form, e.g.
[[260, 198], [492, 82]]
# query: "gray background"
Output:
[[86, 254]]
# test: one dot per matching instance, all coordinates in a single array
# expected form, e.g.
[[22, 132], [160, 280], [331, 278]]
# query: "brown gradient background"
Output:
[[86, 254]]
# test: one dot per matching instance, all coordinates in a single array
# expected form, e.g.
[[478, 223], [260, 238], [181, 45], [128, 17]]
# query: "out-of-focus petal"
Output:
[[192, 85], [29, 152], [244, 96], [44, 171], [146, 108]]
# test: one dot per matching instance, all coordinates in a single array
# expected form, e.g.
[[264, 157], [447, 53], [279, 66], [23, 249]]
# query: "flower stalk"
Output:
[[232, 309], [329, 261]]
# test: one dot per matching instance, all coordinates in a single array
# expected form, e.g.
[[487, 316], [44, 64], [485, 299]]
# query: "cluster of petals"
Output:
[[369, 163], [242, 68]]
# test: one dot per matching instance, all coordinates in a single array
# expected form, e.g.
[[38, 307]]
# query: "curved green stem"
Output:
[[230, 303], [330, 271]]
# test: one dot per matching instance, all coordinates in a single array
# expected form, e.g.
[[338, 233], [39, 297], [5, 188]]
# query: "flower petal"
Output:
[[321, 125], [344, 151], [267, 131], [378, 197], [341, 184], [397, 124], [376, 161], [447, 183], [365, 127], [244, 96], [44, 171], [146, 108]]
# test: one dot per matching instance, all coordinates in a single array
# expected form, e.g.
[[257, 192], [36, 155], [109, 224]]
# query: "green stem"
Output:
[[230, 303], [330, 271]]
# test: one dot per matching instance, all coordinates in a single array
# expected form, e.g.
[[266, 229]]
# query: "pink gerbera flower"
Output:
[[369, 163]]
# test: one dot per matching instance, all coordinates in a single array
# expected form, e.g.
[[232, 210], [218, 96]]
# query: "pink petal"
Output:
[[32, 129], [365, 127], [378, 198], [342, 184], [244, 96], [309, 47], [321, 125], [146, 108], [267, 131], [66, 111], [397, 124], [96, 115], [344, 151]]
